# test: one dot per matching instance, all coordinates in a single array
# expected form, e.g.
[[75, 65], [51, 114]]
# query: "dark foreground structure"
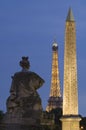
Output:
[[17, 127], [24, 107]]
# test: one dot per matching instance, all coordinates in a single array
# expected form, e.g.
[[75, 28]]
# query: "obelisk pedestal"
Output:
[[70, 122]]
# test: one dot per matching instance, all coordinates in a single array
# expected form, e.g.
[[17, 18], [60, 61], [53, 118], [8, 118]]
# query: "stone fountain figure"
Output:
[[24, 103]]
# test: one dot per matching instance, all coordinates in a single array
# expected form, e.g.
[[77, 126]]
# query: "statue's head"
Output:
[[24, 63]]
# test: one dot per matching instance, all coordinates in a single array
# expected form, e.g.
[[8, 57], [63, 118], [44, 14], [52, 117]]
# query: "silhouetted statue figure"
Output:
[[24, 103]]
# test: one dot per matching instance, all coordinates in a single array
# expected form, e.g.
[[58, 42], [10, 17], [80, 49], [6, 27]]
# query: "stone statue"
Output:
[[24, 101]]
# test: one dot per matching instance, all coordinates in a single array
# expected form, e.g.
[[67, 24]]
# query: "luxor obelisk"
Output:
[[70, 119]]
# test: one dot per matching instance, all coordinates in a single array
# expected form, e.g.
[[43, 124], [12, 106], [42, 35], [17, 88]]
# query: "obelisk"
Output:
[[70, 119]]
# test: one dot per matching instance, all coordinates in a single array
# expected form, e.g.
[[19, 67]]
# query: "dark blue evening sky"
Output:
[[27, 28]]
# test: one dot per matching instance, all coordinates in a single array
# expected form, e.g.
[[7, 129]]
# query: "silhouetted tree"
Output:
[[1, 114], [83, 123], [57, 115]]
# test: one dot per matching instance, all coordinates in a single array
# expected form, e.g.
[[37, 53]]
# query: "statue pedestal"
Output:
[[17, 119], [20, 127]]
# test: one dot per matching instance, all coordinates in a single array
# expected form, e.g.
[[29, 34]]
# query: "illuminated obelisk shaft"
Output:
[[55, 98], [70, 97], [70, 120]]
